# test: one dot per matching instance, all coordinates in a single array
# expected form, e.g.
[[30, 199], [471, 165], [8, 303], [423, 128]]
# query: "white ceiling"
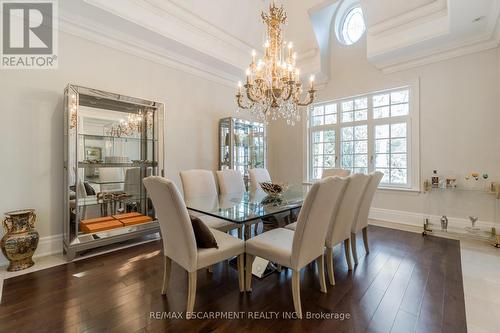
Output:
[[214, 38]]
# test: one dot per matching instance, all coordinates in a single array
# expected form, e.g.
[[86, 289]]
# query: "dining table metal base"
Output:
[[260, 273]]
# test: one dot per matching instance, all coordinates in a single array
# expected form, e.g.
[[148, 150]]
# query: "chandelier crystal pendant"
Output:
[[273, 88]]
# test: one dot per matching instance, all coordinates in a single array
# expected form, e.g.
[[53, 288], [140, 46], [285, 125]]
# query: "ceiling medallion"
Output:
[[273, 88]]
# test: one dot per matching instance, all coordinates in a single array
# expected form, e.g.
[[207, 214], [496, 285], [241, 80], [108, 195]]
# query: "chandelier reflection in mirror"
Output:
[[132, 126], [273, 88]]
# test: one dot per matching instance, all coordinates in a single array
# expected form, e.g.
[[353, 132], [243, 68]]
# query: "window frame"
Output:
[[412, 135]]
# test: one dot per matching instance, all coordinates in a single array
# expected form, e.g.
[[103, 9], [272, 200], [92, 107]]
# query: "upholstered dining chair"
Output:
[[335, 172], [179, 243], [231, 182], [201, 183], [361, 222], [261, 175], [297, 249], [339, 230], [257, 176]]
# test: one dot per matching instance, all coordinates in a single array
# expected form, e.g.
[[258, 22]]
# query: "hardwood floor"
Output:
[[407, 283]]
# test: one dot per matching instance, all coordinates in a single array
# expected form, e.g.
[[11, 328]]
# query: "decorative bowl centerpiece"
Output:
[[272, 189]]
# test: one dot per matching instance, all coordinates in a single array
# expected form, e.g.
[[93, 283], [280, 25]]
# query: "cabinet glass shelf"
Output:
[[462, 190], [108, 137], [116, 165], [93, 200]]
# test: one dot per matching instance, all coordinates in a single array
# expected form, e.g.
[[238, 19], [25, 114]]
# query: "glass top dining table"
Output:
[[251, 205]]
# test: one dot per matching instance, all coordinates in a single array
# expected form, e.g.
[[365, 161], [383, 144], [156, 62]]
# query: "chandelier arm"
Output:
[[311, 98], [250, 94], [289, 92], [239, 100]]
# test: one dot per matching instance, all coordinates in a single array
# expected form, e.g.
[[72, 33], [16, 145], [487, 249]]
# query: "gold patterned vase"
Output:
[[20, 239]]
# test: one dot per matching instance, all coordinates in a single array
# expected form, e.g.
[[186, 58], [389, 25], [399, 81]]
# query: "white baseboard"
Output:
[[47, 245]]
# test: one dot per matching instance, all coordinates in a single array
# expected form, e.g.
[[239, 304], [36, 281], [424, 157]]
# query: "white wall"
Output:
[[31, 131], [459, 121]]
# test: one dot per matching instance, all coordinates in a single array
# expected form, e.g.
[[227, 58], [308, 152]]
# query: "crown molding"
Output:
[[101, 34], [460, 50], [179, 24], [413, 17]]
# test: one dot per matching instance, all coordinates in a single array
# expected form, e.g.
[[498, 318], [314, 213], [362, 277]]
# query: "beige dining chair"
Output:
[[179, 243], [335, 172], [297, 249], [361, 222], [261, 175], [257, 176], [231, 182], [339, 230], [201, 183]]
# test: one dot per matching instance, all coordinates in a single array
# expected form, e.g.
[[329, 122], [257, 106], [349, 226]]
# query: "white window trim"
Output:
[[413, 136]]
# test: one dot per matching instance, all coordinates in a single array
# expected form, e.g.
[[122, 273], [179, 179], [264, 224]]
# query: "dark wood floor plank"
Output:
[[407, 283], [404, 323], [384, 317]]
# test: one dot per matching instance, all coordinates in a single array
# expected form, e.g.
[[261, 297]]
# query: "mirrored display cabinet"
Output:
[[242, 145], [111, 142]]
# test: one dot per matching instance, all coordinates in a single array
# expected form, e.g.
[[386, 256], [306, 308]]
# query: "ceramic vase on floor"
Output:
[[20, 239]]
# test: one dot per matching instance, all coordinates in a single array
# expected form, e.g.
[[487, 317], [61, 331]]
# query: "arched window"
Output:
[[352, 26]]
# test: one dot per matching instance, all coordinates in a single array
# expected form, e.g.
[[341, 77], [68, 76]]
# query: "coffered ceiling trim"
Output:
[[104, 35], [435, 32], [176, 23]]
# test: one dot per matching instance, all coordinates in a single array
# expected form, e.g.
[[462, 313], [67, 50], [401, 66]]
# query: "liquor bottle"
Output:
[[435, 179]]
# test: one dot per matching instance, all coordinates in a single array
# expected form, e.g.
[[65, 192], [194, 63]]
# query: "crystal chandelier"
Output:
[[273, 88], [133, 126]]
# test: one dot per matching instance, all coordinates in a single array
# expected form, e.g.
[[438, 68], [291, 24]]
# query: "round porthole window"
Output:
[[352, 26]]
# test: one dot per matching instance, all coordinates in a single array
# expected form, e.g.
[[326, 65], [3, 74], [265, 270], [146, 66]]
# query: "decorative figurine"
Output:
[[444, 222], [473, 220]]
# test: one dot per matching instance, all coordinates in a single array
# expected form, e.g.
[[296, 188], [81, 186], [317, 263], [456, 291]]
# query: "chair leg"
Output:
[[241, 272], [296, 292], [257, 227], [248, 272], [166, 274], [248, 231], [191, 291], [329, 265], [347, 248], [240, 233], [321, 272], [354, 248], [365, 239]]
